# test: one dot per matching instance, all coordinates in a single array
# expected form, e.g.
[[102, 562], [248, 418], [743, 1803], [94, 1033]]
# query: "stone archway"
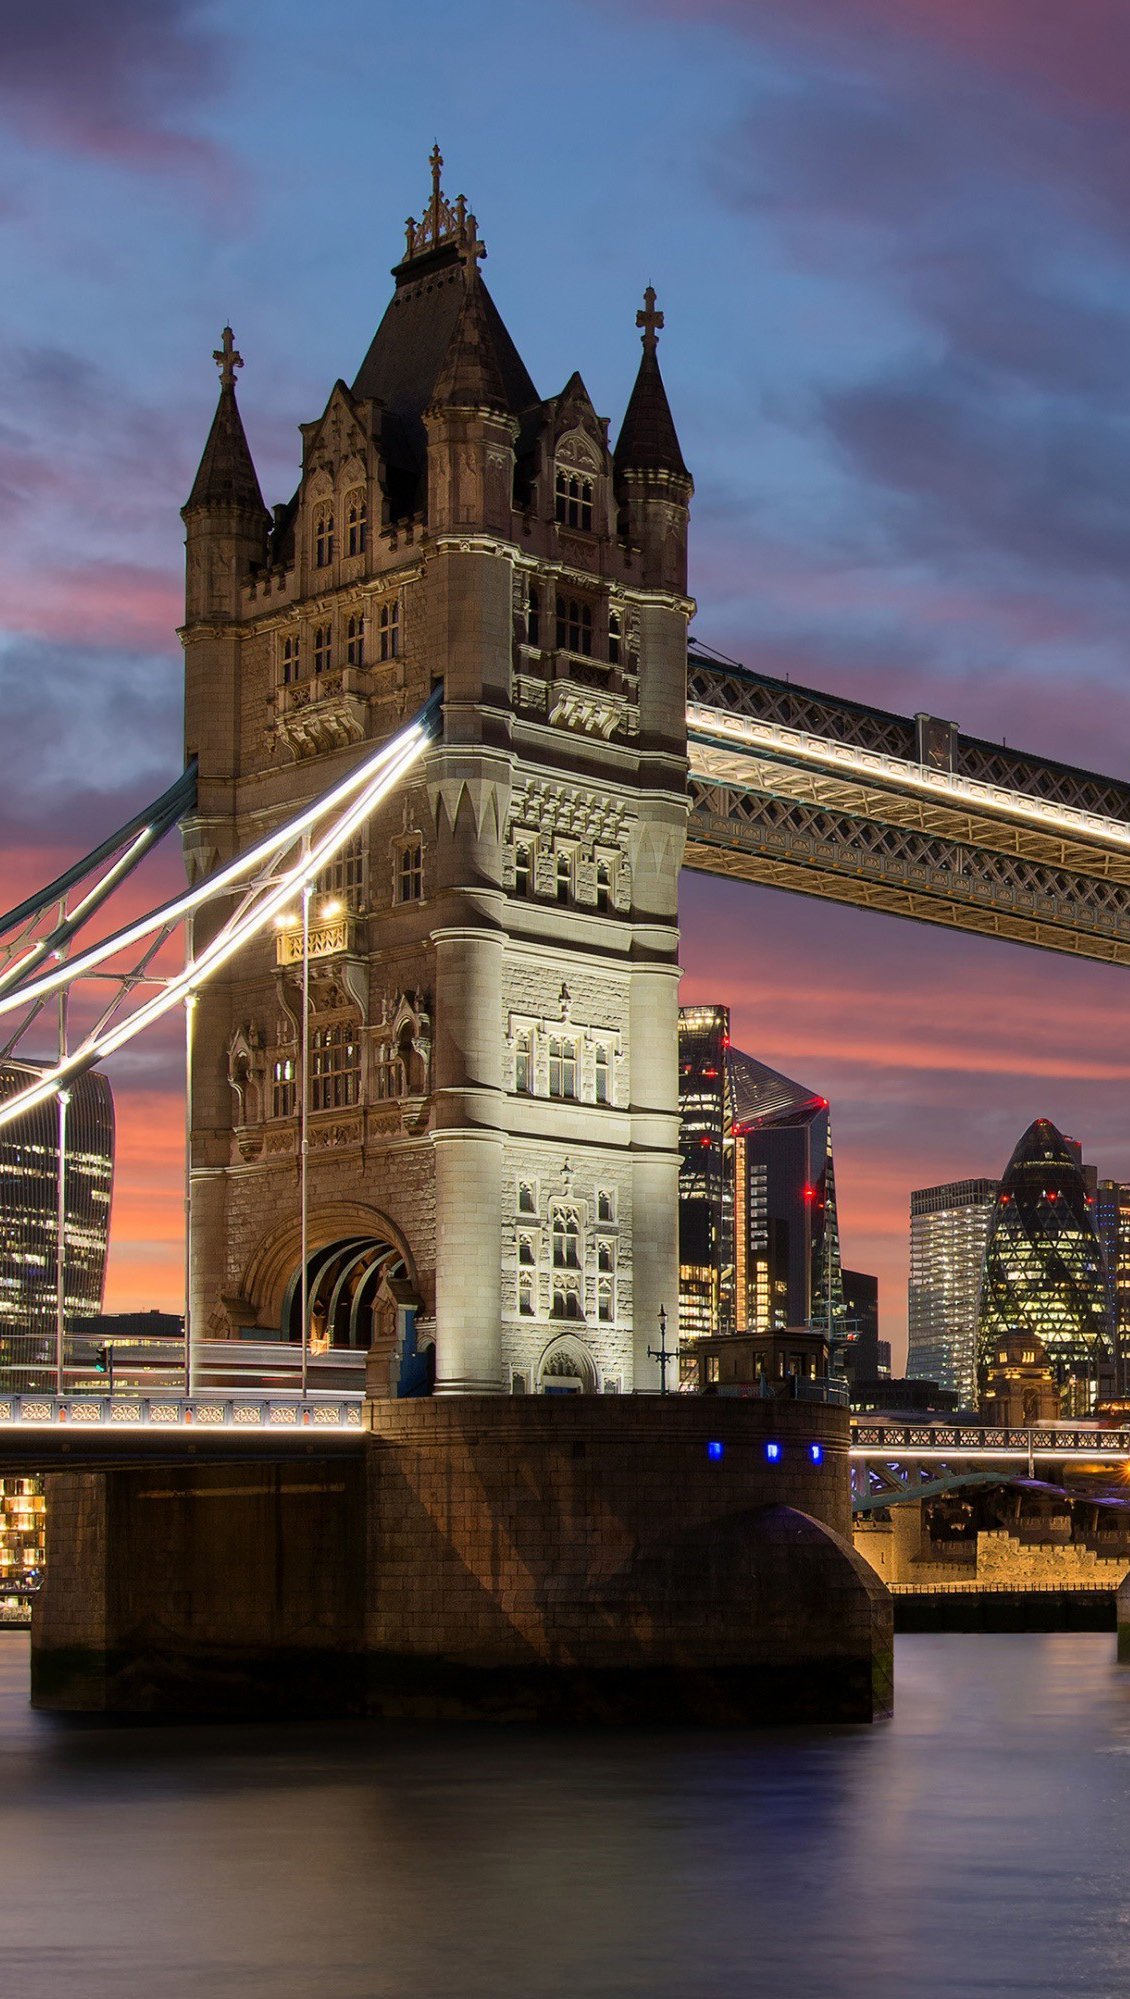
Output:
[[344, 1279], [270, 1280], [566, 1368]]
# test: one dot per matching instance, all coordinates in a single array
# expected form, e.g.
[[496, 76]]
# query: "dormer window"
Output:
[[323, 648], [356, 524], [574, 626], [291, 661], [355, 642], [388, 627], [323, 537], [574, 496]]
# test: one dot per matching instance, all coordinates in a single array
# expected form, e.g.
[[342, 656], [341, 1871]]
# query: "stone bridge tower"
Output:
[[492, 1106]]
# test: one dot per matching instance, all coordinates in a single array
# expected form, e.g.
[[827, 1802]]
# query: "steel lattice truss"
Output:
[[827, 797], [248, 893]]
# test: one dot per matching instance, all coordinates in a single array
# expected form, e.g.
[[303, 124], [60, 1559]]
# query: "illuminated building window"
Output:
[[323, 648], [323, 537], [356, 524], [388, 629], [355, 641]]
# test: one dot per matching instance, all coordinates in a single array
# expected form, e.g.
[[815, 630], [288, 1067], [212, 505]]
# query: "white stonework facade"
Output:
[[492, 1108]]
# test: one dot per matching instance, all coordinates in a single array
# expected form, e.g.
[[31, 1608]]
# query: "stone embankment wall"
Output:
[[590, 1558]]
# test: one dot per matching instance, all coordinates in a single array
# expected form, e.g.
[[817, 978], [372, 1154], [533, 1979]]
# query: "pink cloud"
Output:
[[97, 604]]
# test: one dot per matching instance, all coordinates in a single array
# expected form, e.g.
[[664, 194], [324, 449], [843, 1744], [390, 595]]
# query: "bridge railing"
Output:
[[172, 1412], [939, 1438]]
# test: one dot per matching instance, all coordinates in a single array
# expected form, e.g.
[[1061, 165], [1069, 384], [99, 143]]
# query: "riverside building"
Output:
[[949, 1227]]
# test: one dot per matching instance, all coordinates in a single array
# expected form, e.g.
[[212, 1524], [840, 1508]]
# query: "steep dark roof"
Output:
[[413, 341], [648, 440], [471, 376], [226, 476]]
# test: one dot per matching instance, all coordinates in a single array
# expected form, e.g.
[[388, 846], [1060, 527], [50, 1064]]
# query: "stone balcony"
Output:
[[325, 711], [575, 691], [329, 937]]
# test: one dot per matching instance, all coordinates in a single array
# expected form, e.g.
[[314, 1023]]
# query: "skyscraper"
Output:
[[1112, 1225], [758, 1232], [1044, 1267], [29, 1183], [949, 1227]]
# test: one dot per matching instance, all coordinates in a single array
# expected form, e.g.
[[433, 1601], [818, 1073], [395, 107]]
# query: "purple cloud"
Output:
[[112, 79]]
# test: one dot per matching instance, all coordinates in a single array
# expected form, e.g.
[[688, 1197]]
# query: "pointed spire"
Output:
[[648, 440], [226, 475], [471, 375]]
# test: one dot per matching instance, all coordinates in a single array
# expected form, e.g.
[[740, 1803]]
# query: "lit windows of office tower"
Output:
[[758, 1232], [1044, 1267], [949, 1227], [29, 1163]]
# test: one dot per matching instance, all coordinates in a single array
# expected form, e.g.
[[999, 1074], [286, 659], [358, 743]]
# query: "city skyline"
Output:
[[898, 386]]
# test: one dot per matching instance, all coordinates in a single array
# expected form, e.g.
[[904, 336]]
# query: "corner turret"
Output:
[[225, 516], [652, 484]]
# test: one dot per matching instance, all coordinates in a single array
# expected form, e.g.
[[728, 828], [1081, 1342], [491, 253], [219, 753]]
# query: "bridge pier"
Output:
[[584, 1559]]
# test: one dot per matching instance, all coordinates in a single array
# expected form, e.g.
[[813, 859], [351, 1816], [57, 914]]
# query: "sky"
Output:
[[891, 239]]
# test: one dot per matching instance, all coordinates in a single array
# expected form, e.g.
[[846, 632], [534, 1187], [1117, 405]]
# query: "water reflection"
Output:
[[979, 1844]]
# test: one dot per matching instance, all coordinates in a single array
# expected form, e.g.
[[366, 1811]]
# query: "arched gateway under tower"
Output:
[[490, 966]]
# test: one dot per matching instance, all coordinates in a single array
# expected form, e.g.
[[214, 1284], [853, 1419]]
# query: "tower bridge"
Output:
[[447, 762]]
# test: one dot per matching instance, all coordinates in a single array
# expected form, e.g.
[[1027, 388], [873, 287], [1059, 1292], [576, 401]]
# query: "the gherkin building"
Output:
[[1044, 1267]]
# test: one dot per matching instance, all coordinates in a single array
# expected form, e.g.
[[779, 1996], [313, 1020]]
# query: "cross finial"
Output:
[[436, 158], [650, 320], [227, 360]]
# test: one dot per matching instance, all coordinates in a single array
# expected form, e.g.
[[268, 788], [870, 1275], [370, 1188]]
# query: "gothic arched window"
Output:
[[526, 1298], [562, 1068], [566, 1241], [324, 537], [388, 627], [335, 1066], [526, 1250], [603, 885], [323, 648], [574, 626], [291, 660], [573, 496], [356, 524], [614, 638], [523, 1065], [523, 867], [533, 616], [603, 1074], [605, 1255], [355, 641]]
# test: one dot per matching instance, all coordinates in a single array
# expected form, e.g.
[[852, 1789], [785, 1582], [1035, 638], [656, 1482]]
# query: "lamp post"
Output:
[[663, 1353]]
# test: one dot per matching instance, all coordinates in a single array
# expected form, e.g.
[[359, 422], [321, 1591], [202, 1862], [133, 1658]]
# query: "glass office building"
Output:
[[29, 1182], [1044, 1270], [949, 1227], [758, 1232]]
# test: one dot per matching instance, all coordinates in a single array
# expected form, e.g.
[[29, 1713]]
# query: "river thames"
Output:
[[978, 1844]]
